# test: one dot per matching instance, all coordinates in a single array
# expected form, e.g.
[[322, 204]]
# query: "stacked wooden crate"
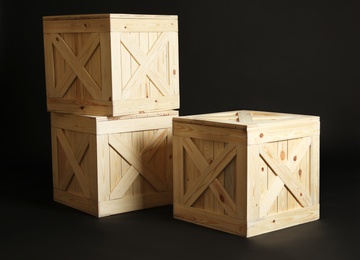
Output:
[[246, 172], [112, 86]]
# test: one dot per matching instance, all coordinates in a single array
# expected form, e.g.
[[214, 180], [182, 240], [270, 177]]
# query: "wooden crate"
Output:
[[246, 172], [111, 64], [109, 165]]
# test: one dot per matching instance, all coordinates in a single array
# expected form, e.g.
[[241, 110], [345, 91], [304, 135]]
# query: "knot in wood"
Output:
[[222, 198], [282, 155]]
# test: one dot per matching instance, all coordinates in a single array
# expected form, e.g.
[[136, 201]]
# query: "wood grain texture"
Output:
[[246, 172], [105, 171]]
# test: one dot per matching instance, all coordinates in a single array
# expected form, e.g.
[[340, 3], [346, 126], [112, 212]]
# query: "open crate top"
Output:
[[244, 119]]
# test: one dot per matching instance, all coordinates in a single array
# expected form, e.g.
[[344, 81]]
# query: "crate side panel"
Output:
[[289, 175], [74, 175], [145, 60], [213, 163], [77, 66], [138, 163]]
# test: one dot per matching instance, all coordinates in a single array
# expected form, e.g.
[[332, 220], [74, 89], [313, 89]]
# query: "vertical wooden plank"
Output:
[[315, 169], [55, 158], [93, 65], [152, 36], [145, 138], [263, 178], [241, 180], [218, 148], [253, 189], [178, 170], [49, 65], [144, 46], [164, 62], [100, 157], [303, 171], [189, 167], [126, 137], [229, 178], [114, 168], [169, 158], [283, 196], [137, 144], [73, 40], [271, 177], [174, 63], [81, 91], [194, 173], [61, 67], [210, 202], [137, 92], [159, 159], [110, 66], [125, 67], [292, 202]]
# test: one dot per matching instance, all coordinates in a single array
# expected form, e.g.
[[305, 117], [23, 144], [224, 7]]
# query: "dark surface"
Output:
[[35, 227], [283, 56]]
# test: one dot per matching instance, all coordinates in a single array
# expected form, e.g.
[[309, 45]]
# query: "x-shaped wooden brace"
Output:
[[145, 61], [209, 173], [139, 163], [285, 176], [77, 64], [74, 157]]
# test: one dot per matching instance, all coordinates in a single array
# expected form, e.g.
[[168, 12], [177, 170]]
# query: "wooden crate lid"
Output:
[[84, 23], [242, 119], [138, 115], [109, 16]]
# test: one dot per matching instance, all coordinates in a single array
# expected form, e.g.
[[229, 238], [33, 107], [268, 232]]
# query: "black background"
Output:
[[285, 56]]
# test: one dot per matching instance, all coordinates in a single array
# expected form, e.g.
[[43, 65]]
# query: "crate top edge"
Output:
[[242, 119], [109, 16], [97, 118]]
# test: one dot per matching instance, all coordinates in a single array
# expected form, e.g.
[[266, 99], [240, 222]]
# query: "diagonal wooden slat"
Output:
[[137, 162], [294, 186], [79, 152], [125, 183], [140, 56], [76, 66], [223, 197], [145, 64], [195, 154], [209, 174], [84, 55], [149, 150], [297, 154], [80, 175], [158, 82], [66, 176], [270, 196]]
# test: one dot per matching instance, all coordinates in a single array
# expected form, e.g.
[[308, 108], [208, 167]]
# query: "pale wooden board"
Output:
[[111, 65]]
